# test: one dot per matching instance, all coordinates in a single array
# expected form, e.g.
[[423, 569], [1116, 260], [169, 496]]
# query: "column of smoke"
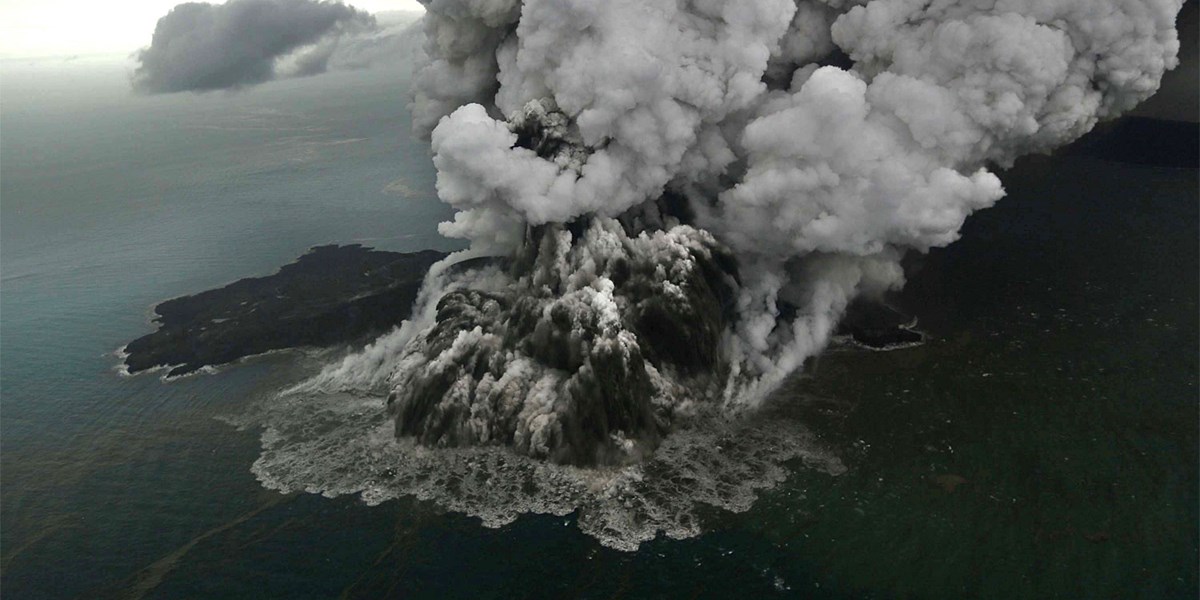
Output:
[[684, 195]]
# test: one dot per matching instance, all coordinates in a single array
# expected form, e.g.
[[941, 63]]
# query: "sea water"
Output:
[[113, 202], [1041, 444]]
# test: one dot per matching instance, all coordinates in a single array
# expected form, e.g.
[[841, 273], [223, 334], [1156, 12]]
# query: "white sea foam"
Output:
[[402, 188], [343, 443], [122, 367], [121, 355]]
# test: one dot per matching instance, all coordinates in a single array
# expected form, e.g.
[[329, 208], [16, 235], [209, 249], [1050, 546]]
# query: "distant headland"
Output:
[[330, 295]]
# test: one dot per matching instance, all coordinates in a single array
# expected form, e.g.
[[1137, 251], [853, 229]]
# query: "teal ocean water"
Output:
[[1042, 444]]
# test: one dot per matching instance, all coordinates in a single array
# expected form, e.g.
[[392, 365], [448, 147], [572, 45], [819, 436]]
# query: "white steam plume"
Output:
[[681, 168]]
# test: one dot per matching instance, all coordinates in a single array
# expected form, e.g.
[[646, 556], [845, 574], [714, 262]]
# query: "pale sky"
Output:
[[33, 28]]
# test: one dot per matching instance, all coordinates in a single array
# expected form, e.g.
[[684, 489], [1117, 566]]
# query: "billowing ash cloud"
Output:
[[685, 194], [200, 46]]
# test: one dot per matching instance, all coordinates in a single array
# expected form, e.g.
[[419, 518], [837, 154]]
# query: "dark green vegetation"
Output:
[[332, 295]]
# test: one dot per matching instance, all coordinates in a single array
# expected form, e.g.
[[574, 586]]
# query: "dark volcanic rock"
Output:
[[331, 295], [877, 325]]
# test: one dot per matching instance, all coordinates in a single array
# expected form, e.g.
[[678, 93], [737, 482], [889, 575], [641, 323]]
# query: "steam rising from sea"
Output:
[[669, 205]]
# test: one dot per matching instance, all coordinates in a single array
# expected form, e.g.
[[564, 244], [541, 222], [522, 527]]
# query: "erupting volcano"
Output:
[[669, 204]]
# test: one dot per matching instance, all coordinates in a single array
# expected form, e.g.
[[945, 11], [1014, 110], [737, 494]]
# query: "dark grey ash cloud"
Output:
[[397, 40], [200, 46]]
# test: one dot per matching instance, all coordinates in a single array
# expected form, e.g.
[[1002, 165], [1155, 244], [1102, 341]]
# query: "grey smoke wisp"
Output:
[[200, 46], [687, 194]]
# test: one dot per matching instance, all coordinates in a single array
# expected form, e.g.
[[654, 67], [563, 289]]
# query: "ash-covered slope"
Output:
[[584, 350], [331, 295]]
